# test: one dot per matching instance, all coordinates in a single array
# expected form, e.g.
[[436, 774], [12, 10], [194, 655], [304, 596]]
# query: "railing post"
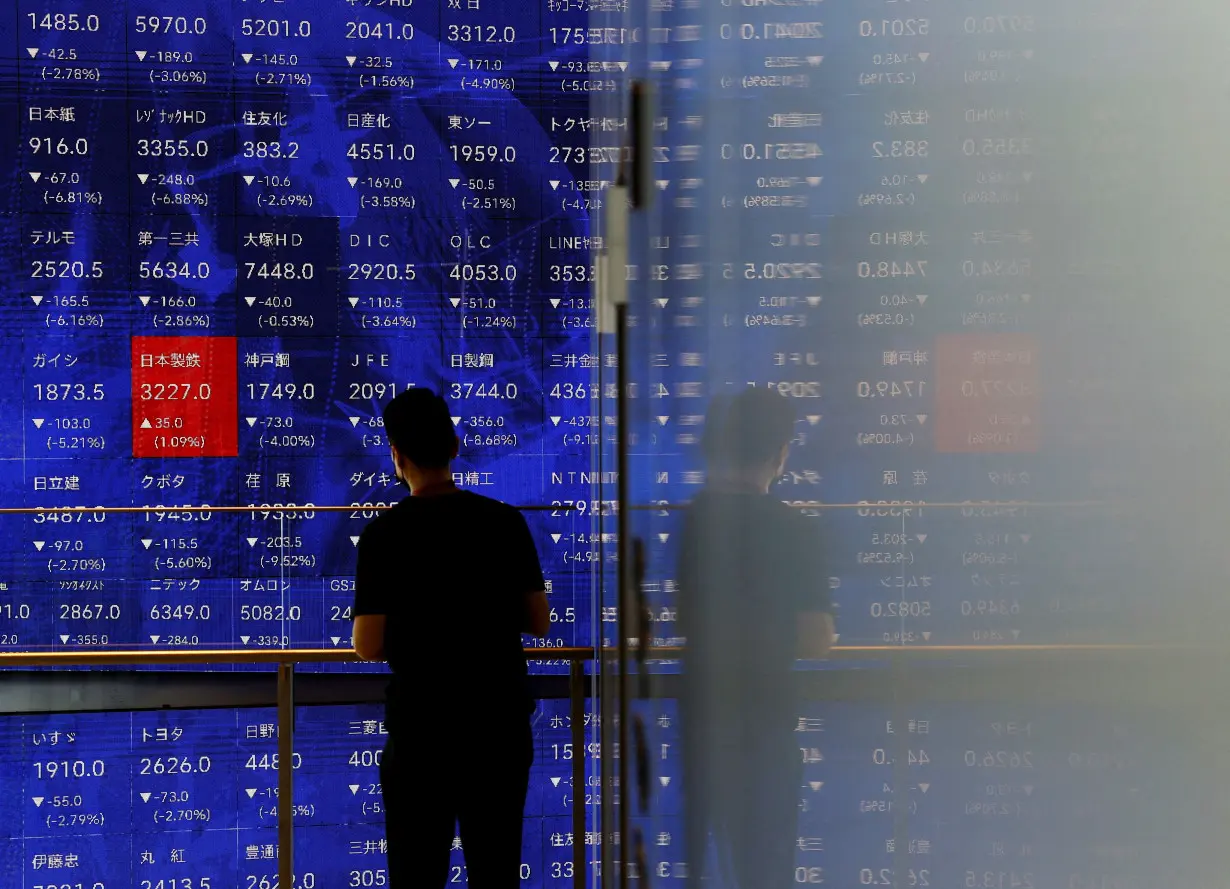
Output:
[[576, 700], [286, 775]]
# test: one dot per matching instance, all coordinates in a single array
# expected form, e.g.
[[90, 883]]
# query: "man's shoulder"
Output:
[[741, 503], [757, 519], [411, 513], [489, 505], [791, 522], [387, 520], [785, 512]]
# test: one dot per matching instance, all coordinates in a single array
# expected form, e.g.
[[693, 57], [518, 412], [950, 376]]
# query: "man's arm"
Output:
[[815, 616], [370, 609], [537, 614], [816, 632], [369, 636]]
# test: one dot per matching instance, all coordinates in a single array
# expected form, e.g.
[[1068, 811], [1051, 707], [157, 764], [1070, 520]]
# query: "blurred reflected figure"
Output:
[[753, 597]]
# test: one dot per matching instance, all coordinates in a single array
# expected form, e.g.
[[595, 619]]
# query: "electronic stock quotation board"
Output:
[[235, 232], [238, 228], [232, 232]]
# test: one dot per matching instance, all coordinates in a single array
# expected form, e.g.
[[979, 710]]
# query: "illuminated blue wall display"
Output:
[[238, 229], [233, 232]]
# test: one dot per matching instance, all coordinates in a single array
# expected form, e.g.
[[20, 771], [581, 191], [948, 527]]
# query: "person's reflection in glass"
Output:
[[753, 597]]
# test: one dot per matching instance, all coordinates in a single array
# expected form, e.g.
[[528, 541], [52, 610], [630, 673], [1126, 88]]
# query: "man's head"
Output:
[[420, 431], [750, 434]]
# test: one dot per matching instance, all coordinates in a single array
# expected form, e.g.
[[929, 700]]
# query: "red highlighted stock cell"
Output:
[[185, 396], [986, 394]]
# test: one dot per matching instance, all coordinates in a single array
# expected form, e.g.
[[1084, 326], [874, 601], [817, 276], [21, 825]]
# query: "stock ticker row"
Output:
[[236, 229], [994, 796]]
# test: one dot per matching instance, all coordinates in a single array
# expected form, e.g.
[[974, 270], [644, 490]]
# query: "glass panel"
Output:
[[927, 229]]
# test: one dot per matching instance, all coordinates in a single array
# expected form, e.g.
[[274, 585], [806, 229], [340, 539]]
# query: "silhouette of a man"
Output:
[[753, 597], [447, 581]]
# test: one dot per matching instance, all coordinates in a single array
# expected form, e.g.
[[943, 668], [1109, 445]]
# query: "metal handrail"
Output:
[[139, 657]]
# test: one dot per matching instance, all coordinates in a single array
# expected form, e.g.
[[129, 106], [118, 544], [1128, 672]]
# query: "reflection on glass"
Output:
[[753, 597]]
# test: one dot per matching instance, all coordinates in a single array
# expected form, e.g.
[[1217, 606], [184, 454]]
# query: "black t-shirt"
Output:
[[749, 566], [451, 573]]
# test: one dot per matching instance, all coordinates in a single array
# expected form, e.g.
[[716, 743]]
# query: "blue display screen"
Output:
[[1000, 795], [232, 232], [236, 230]]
